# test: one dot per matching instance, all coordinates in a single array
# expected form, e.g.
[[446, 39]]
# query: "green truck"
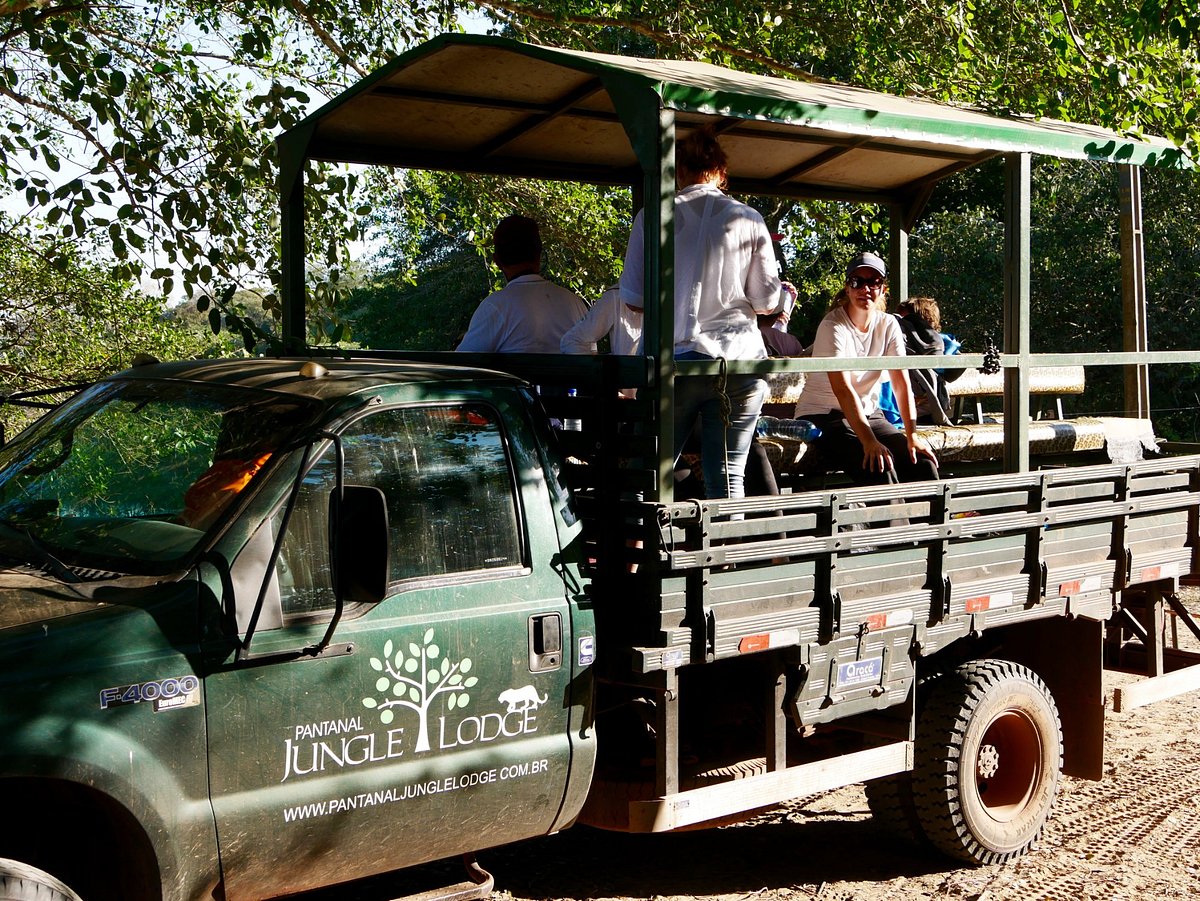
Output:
[[274, 624]]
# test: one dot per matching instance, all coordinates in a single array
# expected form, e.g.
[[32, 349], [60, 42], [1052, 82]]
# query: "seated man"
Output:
[[530, 314]]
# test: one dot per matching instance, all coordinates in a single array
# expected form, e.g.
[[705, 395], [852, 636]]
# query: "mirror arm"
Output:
[[338, 600], [244, 648]]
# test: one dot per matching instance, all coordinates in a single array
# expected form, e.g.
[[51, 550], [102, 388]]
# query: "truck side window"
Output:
[[446, 474]]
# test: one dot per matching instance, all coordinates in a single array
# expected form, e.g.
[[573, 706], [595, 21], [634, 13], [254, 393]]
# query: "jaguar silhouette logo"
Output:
[[521, 699]]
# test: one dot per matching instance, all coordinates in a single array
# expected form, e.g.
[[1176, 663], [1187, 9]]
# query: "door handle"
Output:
[[545, 642]]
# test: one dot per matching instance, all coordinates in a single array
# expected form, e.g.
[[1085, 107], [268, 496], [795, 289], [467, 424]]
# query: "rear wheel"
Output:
[[989, 754], [21, 882]]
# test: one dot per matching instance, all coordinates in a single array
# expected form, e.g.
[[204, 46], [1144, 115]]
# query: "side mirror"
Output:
[[358, 544]]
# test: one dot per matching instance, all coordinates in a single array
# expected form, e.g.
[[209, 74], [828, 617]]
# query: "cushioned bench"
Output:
[[1043, 380], [1123, 439]]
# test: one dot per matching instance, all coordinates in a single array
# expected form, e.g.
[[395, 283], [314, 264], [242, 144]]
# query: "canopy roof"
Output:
[[487, 104]]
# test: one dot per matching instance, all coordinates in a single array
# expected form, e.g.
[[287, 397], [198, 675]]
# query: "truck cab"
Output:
[[177, 559]]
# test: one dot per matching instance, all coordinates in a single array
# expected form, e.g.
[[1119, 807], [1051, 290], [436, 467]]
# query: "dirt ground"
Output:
[[1135, 836]]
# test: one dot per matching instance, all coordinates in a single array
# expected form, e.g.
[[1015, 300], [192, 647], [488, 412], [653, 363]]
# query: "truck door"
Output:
[[440, 723]]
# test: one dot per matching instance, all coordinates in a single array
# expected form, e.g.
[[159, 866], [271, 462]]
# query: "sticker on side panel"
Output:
[[859, 672], [164, 694], [587, 650]]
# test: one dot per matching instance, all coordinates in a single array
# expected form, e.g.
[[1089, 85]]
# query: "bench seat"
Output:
[[1124, 440]]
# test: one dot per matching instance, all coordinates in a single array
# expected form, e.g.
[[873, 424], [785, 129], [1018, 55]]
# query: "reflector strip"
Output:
[[988, 602], [1078, 586], [764, 640], [901, 617], [1163, 571]]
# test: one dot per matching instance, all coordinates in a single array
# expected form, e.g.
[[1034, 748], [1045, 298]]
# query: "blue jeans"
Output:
[[723, 446]]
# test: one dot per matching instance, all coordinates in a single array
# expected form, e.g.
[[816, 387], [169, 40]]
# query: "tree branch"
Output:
[[501, 7], [303, 12], [86, 133], [1075, 38], [16, 7]]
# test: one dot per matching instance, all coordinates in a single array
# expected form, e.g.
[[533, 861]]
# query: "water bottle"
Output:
[[787, 429], [572, 425]]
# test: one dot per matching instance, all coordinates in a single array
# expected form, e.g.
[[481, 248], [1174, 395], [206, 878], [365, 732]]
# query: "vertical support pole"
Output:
[[1133, 290], [897, 254], [1017, 168], [659, 291], [777, 723], [292, 246], [1154, 621], [666, 770]]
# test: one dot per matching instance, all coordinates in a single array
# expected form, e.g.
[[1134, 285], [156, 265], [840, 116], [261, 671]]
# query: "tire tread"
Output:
[[941, 729]]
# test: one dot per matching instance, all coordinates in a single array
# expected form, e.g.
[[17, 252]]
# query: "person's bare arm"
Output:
[[902, 390], [876, 457]]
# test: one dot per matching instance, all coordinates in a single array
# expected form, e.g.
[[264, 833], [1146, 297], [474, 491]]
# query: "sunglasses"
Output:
[[855, 281]]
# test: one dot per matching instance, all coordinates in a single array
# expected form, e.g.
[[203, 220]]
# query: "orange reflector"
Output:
[[754, 643]]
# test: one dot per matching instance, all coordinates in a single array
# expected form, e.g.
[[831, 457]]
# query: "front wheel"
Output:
[[21, 882], [988, 758]]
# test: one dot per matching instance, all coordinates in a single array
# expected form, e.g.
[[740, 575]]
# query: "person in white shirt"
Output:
[[608, 316], [612, 317], [845, 405], [530, 314], [725, 274]]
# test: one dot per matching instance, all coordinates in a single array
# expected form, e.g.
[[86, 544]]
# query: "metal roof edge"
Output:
[[575, 60], [985, 131]]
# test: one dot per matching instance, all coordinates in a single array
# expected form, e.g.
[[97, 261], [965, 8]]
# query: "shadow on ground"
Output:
[[786, 848]]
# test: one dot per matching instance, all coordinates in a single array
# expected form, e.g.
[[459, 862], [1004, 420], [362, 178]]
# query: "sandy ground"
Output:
[[1135, 836]]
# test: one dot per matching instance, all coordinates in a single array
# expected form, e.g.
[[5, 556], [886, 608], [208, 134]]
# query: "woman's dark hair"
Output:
[[700, 154]]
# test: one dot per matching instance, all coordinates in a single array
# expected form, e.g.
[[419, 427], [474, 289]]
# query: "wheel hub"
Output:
[[989, 762]]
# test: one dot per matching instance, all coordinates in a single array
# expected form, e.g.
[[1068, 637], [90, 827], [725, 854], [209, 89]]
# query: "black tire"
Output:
[[988, 761], [21, 882], [890, 801]]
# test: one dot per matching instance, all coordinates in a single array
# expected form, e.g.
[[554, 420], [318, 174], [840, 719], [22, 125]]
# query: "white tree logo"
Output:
[[413, 681]]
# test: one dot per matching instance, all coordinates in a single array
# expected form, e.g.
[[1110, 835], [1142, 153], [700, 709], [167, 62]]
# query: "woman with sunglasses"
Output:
[[845, 405]]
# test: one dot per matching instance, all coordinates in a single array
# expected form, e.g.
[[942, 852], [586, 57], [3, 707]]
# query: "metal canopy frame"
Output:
[[491, 105]]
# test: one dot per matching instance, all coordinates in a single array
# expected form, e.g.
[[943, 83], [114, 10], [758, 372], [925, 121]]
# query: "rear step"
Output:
[[480, 886]]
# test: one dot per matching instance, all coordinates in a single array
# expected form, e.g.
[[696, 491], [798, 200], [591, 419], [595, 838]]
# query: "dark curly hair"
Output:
[[701, 155]]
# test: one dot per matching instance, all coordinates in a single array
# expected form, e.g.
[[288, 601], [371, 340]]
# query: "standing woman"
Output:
[[855, 434], [725, 274]]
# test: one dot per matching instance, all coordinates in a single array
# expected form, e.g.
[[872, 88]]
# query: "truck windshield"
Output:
[[128, 476]]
